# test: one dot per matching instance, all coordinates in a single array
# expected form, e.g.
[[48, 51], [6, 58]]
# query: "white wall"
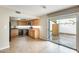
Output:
[[44, 27], [4, 28], [13, 21]]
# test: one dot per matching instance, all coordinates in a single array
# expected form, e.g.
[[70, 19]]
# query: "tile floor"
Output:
[[28, 45], [67, 40]]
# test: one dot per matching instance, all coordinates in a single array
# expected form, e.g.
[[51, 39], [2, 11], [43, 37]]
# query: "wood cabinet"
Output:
[[55, 29], [22, 22], [14, 32], [35, 22], [34, 33]]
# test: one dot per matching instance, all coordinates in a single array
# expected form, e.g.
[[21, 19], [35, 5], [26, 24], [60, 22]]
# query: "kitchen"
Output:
[[24, 27]]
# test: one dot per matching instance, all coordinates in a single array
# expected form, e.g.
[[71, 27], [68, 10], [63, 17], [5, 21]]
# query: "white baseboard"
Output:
[[44, 39], [1, 48]]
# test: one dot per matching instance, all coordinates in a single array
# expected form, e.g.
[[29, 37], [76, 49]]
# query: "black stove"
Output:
[[23, 32]]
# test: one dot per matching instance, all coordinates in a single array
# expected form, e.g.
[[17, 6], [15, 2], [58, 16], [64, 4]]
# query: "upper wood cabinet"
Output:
[[22, 22], [36, 22]]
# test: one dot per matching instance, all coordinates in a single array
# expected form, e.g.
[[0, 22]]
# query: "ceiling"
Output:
[[37, 10]]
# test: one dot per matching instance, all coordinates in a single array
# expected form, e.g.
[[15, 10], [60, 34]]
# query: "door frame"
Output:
[[9, 29]]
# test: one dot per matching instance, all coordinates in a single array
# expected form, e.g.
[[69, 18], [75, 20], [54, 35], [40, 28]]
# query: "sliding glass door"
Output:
[[63, 31]]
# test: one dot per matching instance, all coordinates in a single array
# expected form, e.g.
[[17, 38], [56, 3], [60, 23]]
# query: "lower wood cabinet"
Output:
[[14, 32], [22, 22], [34, 33], [36, 22]]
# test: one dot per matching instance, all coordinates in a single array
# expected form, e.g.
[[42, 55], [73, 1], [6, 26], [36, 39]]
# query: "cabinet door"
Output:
[[14, 32], [34, 33], [36, 22], [22, 22]]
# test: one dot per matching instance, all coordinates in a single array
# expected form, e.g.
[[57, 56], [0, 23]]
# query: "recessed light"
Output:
[[44, 6], [18, 12]]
